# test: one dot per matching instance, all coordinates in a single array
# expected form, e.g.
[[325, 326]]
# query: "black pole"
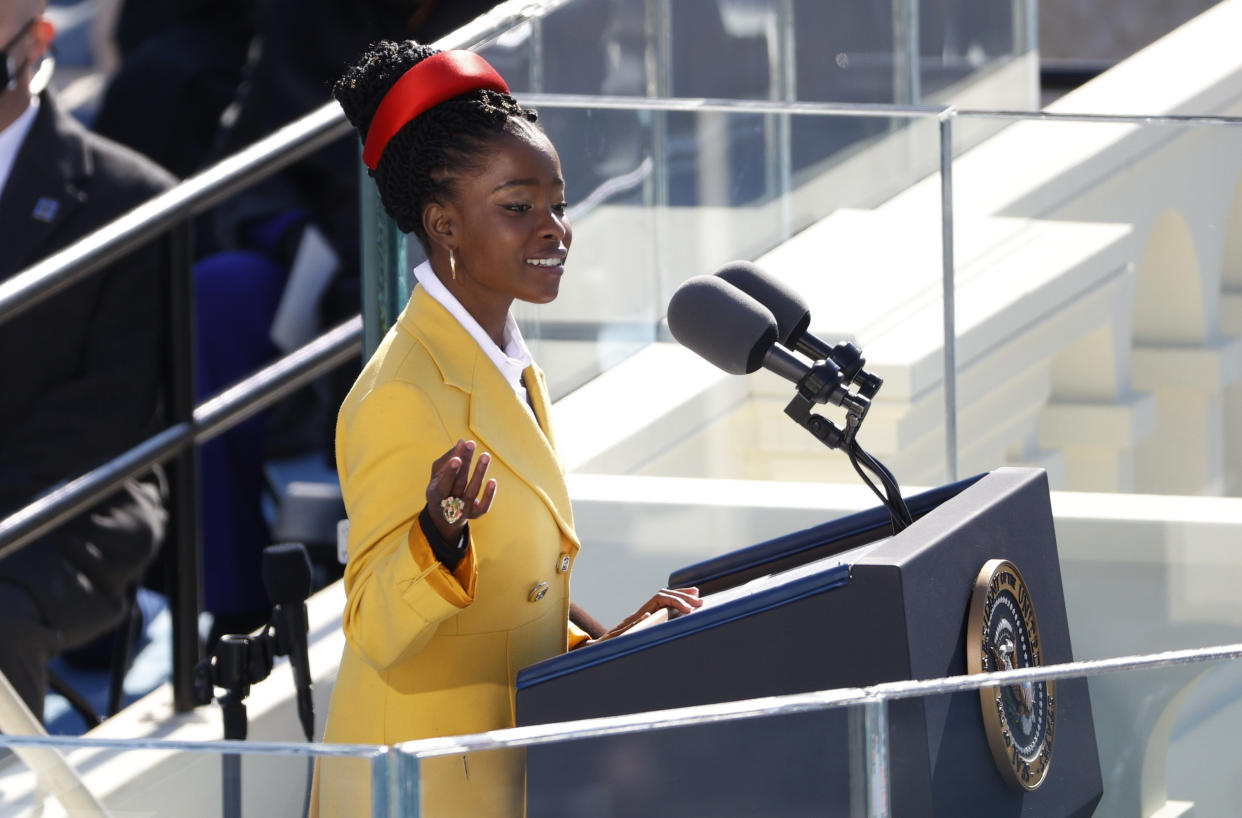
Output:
[[182, 560], [230, 770], [233, 671]]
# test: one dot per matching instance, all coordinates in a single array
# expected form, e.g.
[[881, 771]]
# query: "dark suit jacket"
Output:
[[80, 372]]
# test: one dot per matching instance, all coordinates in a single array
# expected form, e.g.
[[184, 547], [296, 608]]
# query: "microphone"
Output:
[[287, 578], [737, 328], [719, 322], [728, 328], [793, 317]]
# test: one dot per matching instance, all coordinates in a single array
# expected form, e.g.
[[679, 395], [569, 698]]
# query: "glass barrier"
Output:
[[1122, 737], [1097, 283], [649, 217], [755, 757], [650, 209], [794, 50], [1140, 733], [1096, 272], [115, 778], [761, 50]]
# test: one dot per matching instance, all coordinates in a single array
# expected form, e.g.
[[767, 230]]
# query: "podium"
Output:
[[843, 604]]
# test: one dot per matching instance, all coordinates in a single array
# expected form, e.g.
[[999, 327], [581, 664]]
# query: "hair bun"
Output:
[[421, 162], [363, 85]]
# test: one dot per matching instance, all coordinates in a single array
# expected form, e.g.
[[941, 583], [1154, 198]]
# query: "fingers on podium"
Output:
[[684, 600]]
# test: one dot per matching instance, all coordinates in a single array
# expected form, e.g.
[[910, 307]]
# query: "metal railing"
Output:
[[169, 216], [873, 700], [395, 769]]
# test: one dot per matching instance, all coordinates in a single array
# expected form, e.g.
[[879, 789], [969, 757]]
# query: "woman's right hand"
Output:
[[451, 477]]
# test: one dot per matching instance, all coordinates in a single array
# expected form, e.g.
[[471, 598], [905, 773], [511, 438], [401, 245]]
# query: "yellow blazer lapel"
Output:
[[511, 434], [498, 420], [537, 388]]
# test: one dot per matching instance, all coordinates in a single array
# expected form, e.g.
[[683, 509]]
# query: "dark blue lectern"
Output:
[[843, 604]]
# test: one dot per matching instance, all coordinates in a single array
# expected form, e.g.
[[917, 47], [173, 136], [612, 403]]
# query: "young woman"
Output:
[[461, 538]]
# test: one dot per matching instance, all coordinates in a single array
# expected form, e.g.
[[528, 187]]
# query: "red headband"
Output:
[[438, 78]]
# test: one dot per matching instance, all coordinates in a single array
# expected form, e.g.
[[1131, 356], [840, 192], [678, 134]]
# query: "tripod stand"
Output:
[[242, 660]]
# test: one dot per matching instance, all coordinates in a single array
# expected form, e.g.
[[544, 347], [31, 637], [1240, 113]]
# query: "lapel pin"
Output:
[[45, 209]]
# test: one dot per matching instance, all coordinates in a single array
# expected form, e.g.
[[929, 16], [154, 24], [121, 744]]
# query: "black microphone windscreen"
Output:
[[792, 314], [711, 317], [286, 572]]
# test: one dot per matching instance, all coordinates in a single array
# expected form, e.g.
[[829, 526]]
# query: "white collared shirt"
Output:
[[12, 137], [512, 361]]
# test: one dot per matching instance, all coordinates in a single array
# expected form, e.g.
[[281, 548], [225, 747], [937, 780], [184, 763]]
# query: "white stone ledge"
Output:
[[1154, 81], [640, 408], [1204, 368], [1098, 425], [1231, 311]]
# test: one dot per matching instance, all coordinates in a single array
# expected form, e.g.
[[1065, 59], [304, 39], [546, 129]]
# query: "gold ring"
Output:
[[451, 508]]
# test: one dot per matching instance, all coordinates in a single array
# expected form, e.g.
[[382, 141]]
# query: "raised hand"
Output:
[[453, 493]]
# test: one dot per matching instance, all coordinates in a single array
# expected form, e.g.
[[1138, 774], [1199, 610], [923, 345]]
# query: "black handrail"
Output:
[[175, 443], [158, 215], [227, 177], [169, 213], [211, 418]]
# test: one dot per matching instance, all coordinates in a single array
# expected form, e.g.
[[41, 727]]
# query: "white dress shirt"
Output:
[[511, 361], [11, 139]]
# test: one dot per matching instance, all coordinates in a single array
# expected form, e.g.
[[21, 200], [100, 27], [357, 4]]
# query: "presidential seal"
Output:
[[1002, 634]]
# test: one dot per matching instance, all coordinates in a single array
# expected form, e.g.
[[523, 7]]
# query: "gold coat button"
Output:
[[562, 565], [538, 592]]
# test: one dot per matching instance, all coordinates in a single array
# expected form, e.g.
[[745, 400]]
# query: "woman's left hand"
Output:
[[681, 600]]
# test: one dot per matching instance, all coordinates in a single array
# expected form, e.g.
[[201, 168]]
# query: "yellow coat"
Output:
[[431, 652]]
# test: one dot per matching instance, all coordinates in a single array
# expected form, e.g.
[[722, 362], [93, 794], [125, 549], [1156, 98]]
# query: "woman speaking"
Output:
[[461, 536]]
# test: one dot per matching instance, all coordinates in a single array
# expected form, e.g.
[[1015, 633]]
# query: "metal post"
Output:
[[384, 275], [394, 269], [876, 721], [949, 292], [182, 558], [906, 81], [380, 764], [783, 87], [403, 784], [368, 202], [659, 70], [536, 55], [658, 59], [1025, 26], [857, 729]]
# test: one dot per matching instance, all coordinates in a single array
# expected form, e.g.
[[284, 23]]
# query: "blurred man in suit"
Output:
[[80, 371]]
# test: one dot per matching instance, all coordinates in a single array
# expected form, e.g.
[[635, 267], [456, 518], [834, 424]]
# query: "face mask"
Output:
[[8, 70]]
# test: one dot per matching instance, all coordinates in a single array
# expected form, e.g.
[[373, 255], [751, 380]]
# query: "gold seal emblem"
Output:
[[1002, 633]]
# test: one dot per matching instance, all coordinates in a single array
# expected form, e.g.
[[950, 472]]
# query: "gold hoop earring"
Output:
[[453, 265]]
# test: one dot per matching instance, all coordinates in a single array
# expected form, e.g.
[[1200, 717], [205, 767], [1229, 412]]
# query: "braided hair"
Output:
[[422, 161]]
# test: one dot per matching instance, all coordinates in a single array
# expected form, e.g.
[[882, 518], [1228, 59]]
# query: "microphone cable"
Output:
[[890, 498]]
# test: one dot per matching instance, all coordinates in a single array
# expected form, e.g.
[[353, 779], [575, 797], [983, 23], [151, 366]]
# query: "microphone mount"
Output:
[[829, 381], [741, 319], [237, 662], [849, 358]]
